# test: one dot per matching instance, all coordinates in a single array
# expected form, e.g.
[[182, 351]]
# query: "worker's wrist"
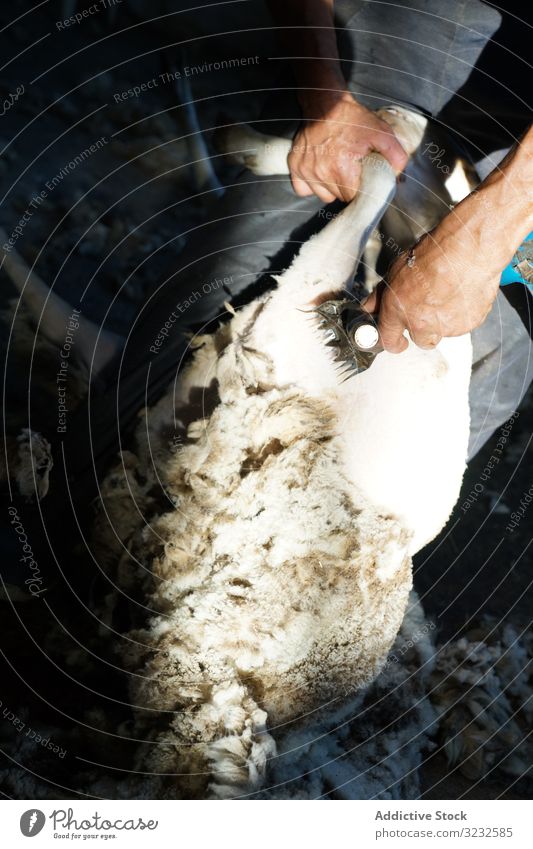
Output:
[[484, 229], [319, 101], [505, 199], [523, 171]]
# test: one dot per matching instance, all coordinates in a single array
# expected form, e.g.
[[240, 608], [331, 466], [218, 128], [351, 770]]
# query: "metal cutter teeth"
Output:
[[331, 336], [337, 322]]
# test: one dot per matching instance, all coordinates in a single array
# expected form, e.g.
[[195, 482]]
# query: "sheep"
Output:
[[275, 513]]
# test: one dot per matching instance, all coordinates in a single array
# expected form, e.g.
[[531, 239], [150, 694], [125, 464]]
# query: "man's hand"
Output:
[[337, 131], [448, 290], [325, 158], [450, 281]]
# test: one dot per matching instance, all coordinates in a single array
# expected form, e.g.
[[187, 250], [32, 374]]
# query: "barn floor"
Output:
[[72, 78]]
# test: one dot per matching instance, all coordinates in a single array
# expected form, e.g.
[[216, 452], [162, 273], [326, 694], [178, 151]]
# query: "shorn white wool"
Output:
[[277, 568]]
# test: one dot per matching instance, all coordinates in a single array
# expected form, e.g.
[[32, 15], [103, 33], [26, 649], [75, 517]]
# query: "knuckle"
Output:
[[427, 341]]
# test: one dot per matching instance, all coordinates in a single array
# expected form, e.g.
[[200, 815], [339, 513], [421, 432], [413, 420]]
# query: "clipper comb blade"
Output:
[[351, 333]]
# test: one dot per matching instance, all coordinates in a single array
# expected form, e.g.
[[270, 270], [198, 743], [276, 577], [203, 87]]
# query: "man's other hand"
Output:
[[326, 155]]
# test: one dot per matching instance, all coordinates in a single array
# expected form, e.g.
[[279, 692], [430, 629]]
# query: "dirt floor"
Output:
[[113, 222]]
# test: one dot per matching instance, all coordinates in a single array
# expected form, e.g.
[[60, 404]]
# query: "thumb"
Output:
[[391, 329], [370, 303], [392, 323], [388, 145], [301, 188]]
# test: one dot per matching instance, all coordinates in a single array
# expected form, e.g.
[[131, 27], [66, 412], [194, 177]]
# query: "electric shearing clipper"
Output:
[[351, 332]]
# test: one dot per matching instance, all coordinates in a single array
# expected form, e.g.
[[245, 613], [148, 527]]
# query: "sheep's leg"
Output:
[[323, 267], [335, 251], [264, 154], [260, 153], [370, 260], [327, 261]]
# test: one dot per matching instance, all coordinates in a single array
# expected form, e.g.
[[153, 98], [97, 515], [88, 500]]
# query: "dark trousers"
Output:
[[420, 54]]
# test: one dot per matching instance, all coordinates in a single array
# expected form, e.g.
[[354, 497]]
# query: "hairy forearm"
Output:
[[497, 216], [309, 35], [450, 284], [336, 132], [510, 186]]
